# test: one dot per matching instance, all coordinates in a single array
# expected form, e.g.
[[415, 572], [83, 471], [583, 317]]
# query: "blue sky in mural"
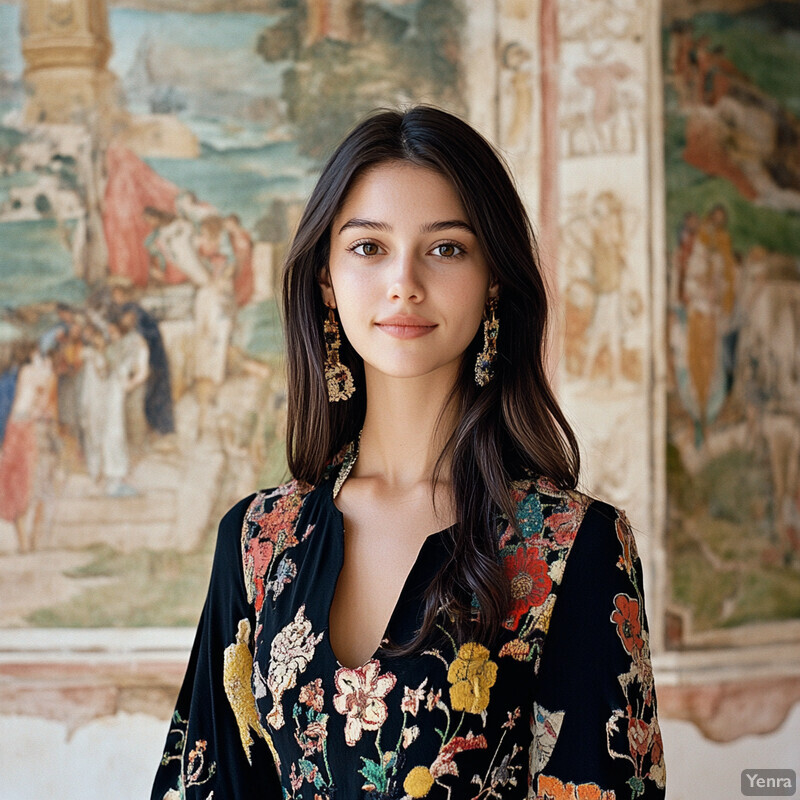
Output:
[[10, 55], [204, 69], [195, 57]]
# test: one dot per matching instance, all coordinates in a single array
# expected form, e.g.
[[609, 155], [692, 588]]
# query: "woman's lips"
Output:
[[406, 327]]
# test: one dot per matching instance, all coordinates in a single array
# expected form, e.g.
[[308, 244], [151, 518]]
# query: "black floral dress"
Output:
[[561, 708]]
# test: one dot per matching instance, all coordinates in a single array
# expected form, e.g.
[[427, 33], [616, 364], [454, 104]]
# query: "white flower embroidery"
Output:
[[360, 698], [291, 651]]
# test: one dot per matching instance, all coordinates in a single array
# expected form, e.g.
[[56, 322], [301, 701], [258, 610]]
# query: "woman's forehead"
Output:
[[401, 188]]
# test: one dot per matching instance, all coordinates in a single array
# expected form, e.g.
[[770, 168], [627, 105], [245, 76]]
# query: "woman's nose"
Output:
[[405, 282]]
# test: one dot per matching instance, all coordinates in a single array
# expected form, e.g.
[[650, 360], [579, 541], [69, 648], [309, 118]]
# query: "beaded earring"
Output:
[[337, 375], [484, 365]]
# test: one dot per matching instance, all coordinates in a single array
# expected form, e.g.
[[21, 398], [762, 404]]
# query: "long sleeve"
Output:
[[596, 728], [215, 743]]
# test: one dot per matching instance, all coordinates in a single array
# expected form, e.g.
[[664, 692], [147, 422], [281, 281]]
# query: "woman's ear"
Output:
[[328, 297], [494, 289]]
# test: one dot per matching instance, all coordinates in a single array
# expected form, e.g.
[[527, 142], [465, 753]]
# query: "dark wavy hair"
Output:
[[507, 430]]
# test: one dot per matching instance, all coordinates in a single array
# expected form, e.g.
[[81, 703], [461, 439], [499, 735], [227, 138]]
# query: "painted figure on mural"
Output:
[[169, 244], [27, 458], [733, 128], [768, 381], [602, 302], [242, 246], [215, 308], [94, 405], [706, 277], [158, 405], [734, 318], [127, 373], [599, 113], [65, 345], [518, 97]]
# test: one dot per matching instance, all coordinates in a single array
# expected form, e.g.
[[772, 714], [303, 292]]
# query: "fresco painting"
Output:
[[602, 301], [143, 221], [732, 149]]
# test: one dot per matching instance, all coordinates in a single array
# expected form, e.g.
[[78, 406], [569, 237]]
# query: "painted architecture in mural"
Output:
[[732, 148], [153, 162]]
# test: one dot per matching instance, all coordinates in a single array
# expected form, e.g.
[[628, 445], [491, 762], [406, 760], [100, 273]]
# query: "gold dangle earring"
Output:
[[484, 366], [337, 375]]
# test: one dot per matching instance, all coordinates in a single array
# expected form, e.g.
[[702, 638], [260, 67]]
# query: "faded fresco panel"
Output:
[[604, 247], [147, 194], [732, 150]]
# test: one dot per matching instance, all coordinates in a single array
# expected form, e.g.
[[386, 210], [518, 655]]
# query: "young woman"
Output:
[[429, 608]]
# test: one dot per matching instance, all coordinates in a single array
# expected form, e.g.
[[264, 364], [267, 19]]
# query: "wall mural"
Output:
[[732, 149], [146, 200]]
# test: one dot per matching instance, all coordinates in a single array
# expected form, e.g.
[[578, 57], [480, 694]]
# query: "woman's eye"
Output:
[[447, 250], [366, 249]]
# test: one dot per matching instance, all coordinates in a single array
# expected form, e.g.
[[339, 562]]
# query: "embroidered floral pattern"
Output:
[[533, 559], [268, 532], [553, 789], [629, 626], [529, 582], [195, 769], [311, 734], [412, 699], [633, 733], [461, 719], [472, 674], [290, 653], [360, 697]]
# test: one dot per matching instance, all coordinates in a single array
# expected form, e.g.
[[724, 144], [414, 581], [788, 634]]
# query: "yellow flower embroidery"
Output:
[[545, 613], [472, 675], [418, 782]]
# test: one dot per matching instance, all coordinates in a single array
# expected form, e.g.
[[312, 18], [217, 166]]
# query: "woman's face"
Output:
[[405, 272]]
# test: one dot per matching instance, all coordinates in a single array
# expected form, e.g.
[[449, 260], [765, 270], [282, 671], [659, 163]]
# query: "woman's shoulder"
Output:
[[548, 513], [268, 526]]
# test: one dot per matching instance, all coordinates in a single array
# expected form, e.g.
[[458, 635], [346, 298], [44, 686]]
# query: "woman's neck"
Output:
[[404, 429]]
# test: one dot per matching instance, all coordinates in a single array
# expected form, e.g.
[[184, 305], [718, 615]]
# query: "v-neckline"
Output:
[[332, 491]]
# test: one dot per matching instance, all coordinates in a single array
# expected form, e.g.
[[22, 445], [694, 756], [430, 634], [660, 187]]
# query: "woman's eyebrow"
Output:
[[431, 227], [357, 222], [448, 224]]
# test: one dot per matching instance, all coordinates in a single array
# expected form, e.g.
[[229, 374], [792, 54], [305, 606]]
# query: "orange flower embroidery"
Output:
[[629, 625], [549, 788]]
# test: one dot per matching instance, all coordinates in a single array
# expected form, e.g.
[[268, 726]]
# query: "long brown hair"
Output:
[[508, 429]]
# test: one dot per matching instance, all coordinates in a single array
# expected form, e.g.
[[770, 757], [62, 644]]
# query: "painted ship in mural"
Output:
[[149, 182]]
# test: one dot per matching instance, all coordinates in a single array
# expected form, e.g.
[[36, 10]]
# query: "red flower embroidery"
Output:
[[657, 752], [629, 625], [444, 764], [530, 583], [565, 524], [275, 535], [638, 736]]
